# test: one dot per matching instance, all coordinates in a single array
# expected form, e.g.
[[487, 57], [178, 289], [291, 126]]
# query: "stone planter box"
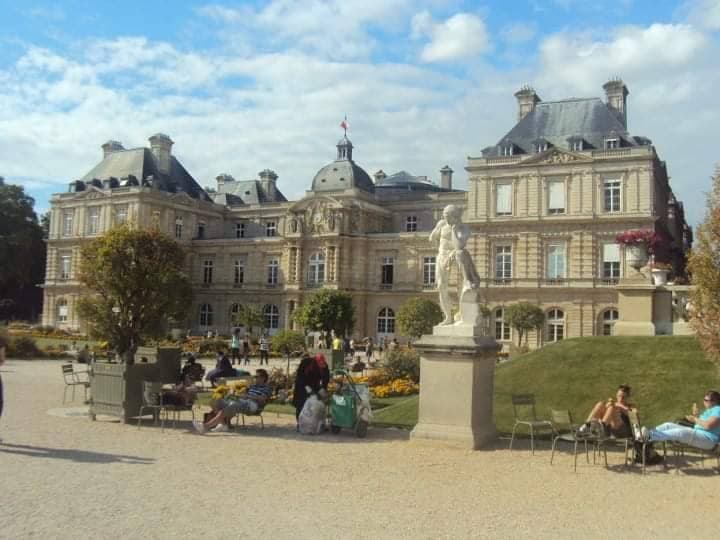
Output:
[[636, 255], [116, 388]]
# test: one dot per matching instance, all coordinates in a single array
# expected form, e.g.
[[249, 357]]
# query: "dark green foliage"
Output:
[[327, 310], [417, 316], [287, 341], [524, 317], [403, 363]]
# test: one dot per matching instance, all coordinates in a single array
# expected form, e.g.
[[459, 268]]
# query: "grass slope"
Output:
[[667, 375]]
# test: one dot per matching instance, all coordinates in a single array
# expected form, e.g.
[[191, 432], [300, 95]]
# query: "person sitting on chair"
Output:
[[182, 394], [613, 414], [251, 402], [705, 433], [223, 368], [192, 369]]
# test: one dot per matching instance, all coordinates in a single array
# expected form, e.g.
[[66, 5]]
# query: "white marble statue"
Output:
[[453, 235]]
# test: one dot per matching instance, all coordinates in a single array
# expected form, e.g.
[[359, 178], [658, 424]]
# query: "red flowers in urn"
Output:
[[637, 237]]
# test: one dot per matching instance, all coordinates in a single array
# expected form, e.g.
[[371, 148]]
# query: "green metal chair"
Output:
[[526, 415], [566, 430], [152, 401]]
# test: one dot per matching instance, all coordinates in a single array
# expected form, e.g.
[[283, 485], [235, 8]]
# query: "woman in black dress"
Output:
[[312, 373]]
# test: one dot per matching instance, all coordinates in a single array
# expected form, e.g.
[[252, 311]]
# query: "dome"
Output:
[[342, 173], [405, 181]]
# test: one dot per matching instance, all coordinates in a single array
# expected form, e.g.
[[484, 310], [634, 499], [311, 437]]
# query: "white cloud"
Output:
[[704, 13], [519, 32], [461, 36]]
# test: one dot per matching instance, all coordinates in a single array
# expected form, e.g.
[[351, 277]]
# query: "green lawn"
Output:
[[667, 375]]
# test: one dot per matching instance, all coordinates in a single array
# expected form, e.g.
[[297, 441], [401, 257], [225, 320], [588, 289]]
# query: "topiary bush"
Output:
[[23, 347], [404, 363]]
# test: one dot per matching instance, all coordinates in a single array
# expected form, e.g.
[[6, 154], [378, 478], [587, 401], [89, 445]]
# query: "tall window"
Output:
[[270, 228], [503, 262], [577, 145], [611, 195], [93, 220], [178, 227], [506, 150], [555, 325], [208, 271], [62, 310], [316, 268], [65, 266], [201, 230], [411, 224], [502, 328], [239, 230], [121, 214], [503, 199], [386, 272], [67, 227], [273, 267], [429, 271], [611, 262], [610, 316], [611, 144], [556, 197], [556, 261], [386, 321], [272, 316], [239, 272], [235, 314], [206, 315]]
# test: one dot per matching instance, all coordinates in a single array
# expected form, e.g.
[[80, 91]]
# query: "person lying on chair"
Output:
[[704, 434], [613, 414], [249, 403]]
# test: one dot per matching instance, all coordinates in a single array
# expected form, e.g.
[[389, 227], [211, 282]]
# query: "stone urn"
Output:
[[636, 255], [659, 276]]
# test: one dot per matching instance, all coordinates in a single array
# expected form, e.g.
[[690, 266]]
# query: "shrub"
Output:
[[212, 346], [23, 347], [4, 340], [404, 364]]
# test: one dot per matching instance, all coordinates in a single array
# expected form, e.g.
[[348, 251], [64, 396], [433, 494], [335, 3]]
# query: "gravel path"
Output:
[[68, 477]]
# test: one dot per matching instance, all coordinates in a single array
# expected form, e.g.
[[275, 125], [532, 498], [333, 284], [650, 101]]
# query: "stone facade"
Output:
[[544, 215]]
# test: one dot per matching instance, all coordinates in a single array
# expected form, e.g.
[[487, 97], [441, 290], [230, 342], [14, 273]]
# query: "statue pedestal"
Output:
[[456, 386], [645, 310]]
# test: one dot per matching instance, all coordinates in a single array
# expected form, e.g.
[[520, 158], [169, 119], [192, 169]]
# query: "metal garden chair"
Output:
[[526, 403], [566, 430], [73, 379]]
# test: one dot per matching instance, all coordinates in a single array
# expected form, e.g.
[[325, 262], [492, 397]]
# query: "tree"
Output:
[[704, 269], [287, 341], [250, 316], [417, 316], [22, 254], [327, 310], [138, 284], [524, 317]]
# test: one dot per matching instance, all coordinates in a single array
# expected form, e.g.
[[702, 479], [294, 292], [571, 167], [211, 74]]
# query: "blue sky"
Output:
[[245, 86]]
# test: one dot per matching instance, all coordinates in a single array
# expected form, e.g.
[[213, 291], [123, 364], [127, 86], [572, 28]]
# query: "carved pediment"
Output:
[[182, 198], [555, 156], [91, 193]]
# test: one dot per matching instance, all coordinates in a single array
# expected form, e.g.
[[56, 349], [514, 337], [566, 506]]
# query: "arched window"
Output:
[[62, 310], [206, 315], [502, 328], [386, 321], [555, 325], [272, 316], [316, 268], [235, 314], [609, 317]]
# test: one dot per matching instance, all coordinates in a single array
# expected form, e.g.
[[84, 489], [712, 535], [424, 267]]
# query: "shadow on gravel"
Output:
[[79, 456]]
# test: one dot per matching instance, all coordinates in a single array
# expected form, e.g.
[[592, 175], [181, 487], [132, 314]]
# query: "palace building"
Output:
[[544, 205]]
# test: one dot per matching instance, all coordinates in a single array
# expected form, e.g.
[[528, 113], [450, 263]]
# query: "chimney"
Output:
[[379, 176], [111, 147], [161, 146], [222, 179], [527, 99], [616, 93], [267, 181], [446, 177]]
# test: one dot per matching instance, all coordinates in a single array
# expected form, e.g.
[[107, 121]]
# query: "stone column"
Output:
[[457, 366]]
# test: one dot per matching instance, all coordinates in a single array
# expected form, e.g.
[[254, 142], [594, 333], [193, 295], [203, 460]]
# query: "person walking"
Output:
[[235, 346], [264, 349], [246, 350]]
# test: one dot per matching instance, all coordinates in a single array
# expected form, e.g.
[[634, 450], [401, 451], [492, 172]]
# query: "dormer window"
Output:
[[577, 145], [540, 145], [506, 150], [612, 143]]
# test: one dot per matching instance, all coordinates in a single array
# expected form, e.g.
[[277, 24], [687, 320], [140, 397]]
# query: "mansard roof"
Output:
[[237, 192], [138, 165], [557, 121]]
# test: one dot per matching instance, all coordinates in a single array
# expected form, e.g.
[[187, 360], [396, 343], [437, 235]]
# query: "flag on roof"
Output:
[[344, 124]]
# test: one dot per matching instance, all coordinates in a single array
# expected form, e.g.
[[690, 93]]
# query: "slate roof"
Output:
[[245, 192], [404, 181], [557, 121], [140, 163], [343, 173]]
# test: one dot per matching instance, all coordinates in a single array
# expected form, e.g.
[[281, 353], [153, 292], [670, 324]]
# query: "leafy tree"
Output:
[[138, 280], [287, 341], [22, 254], [327, 310], [417, 316], [704, 269], [524, 317], [250, 316]]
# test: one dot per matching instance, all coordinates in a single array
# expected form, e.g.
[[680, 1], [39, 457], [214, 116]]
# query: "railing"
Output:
[[386, 286], [314, 284], [501, 160], [205, 285], [429, 286], [612, 153], [238, 285], [503, 282], [609, 281], [555, 281]]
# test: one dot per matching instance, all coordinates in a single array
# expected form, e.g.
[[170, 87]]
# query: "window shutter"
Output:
[[556, 195], [611, 253], [504, 199]]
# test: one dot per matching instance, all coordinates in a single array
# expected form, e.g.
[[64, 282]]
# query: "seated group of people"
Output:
[[698, 429]]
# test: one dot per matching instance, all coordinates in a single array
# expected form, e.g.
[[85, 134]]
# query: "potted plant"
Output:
[[638, 244], [659, 271]]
